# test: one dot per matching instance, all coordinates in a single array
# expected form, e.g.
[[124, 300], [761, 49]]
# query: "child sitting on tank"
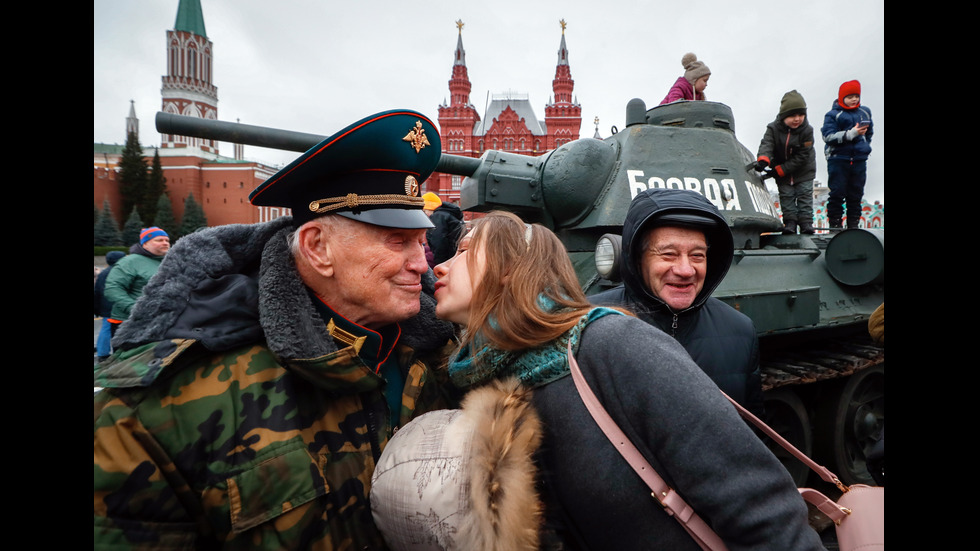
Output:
[[786, 154]]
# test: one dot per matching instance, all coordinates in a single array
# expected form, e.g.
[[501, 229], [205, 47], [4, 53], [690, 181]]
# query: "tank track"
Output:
[[820, 361]]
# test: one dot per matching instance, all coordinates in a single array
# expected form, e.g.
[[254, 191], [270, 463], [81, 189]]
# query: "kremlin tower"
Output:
[[187, 88]]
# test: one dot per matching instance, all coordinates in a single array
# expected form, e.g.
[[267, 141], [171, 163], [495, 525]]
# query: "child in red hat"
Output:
[[847, 131]]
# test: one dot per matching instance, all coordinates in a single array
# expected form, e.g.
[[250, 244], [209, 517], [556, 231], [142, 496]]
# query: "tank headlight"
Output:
[[607, 252]]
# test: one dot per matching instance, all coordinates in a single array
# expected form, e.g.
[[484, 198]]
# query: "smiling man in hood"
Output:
[[677, 248]]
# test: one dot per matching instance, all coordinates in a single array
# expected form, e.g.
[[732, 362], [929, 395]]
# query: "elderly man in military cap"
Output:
[[266, 366]]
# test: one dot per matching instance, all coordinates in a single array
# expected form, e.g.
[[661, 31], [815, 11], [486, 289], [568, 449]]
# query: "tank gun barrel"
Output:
[[274, 138], [233, 132]]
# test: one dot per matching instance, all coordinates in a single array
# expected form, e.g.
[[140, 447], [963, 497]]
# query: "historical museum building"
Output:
[[511, 124]]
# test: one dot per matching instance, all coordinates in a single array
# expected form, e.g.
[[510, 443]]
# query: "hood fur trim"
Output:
[[506, 512]]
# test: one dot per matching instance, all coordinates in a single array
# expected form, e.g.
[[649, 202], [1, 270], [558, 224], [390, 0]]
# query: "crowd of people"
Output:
[[258, 374]]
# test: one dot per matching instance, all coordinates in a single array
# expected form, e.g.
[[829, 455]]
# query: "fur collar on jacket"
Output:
[[236, 284]]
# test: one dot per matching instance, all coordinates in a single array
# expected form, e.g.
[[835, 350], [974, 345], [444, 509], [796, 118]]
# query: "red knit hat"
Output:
[[846, 89]]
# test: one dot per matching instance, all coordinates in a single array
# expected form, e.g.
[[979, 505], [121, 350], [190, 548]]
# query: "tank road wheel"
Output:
[[786, 414], [850, 424]]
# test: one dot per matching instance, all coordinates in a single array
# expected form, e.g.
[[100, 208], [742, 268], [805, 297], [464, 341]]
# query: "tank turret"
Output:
[[809, 297]]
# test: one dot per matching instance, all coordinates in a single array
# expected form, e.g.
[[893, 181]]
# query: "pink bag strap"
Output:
[[671, 501], [824, 472], [826, 505]]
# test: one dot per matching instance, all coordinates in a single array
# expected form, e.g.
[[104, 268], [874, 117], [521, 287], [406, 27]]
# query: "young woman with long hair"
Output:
[[540, 473]]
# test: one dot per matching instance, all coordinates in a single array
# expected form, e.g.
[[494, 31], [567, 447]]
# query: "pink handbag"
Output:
[[859, 514]]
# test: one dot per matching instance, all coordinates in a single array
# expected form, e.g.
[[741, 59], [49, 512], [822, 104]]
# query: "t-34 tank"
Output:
[[809, 297]]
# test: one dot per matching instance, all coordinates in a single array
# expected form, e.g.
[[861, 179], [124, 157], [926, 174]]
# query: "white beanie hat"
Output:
[[693, 69]]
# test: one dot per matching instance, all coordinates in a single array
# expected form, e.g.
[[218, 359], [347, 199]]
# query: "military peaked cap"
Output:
[[370, 171]]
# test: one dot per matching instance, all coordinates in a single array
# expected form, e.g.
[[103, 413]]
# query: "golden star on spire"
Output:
[[562, 23], [459, 25]]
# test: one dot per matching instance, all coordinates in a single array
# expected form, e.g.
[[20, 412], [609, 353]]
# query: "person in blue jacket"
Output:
[[847, 131]]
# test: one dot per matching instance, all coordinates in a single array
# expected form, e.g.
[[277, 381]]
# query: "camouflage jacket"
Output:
[[232, 416]]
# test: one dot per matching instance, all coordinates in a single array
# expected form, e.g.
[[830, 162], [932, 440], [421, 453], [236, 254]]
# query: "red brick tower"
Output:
[[563, 118], [456, 123]]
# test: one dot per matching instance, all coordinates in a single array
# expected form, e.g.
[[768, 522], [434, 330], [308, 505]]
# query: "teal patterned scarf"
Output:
[[534, 366]]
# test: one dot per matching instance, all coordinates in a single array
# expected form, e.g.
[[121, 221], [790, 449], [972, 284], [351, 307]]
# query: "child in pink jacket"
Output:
[[690, 86]]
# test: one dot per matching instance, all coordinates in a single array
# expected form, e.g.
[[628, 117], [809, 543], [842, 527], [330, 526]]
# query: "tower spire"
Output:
[[190, 18], [564, 114], [459, 84], [456, 123], [460, 53], [132, 123]]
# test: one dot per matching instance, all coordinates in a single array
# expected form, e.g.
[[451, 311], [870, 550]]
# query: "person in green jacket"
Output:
[[786, 153], [257, 382], [124, 285]]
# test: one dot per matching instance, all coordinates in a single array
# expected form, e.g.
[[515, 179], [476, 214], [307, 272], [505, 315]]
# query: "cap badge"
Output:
[[411, 186], [416, 137]]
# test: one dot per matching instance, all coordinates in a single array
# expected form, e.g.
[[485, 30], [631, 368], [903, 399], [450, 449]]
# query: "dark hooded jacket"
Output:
[[443, 238], [720, 339]]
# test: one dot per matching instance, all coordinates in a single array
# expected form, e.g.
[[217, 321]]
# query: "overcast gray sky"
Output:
[[317, 65]]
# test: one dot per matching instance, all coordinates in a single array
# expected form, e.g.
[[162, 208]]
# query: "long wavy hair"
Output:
[[529, 293]]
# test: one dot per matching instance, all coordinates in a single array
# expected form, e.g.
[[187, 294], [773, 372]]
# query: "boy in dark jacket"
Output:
[[787, 149], [847, 131]]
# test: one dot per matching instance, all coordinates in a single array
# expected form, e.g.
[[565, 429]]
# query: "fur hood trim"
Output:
[[506, 512], [463, 479]]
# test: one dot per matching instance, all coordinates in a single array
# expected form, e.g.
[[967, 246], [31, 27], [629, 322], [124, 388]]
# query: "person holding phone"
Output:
[[847, 132]]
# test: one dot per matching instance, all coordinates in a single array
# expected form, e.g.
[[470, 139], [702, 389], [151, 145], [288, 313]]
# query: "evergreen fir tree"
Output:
[[165, 219], [156, 185], [132, 173], [131, 230], [107, 230], [193, 216]]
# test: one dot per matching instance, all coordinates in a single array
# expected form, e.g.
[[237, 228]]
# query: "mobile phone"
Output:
[[864, 123]]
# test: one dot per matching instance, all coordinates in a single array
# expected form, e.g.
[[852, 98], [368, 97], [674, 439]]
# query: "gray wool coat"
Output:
[[692, 436]]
